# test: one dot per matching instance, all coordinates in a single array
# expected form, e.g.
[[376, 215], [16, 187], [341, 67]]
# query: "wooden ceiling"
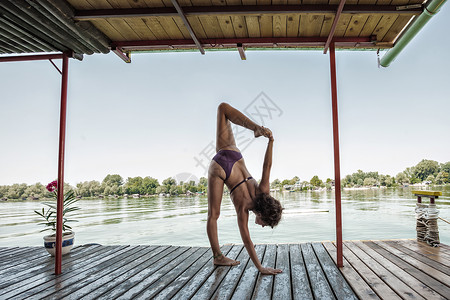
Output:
[[124, 26], [139, 24]]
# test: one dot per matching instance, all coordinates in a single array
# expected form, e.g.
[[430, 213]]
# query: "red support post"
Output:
[[62, 141], [337, 168]]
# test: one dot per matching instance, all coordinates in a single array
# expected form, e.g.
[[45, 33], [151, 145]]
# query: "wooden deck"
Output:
[[401, 269]]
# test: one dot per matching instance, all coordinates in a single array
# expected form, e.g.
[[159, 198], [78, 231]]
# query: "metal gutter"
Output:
[[411, 31]]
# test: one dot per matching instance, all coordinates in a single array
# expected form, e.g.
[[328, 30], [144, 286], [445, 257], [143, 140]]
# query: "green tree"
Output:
[[149, 185], [315, 181], [3, 190], [114, 179], [402, 178], [445, 167], [426, 168], [430, 178], [35, 191], [442, 177], [202, 185], [369, 181], [134, 185], [294, 180], [16, 191]]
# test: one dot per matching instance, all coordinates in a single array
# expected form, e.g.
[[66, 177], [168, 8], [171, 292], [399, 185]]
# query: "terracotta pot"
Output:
[[67, 242]]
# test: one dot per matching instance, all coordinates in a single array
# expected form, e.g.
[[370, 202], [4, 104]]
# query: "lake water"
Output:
[[309, 216]]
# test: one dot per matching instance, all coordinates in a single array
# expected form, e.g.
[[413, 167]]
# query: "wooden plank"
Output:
[[417, 273], [140, 27], [197, 27], [133, 284], [356, 25], [153, 289], [40, 256], [239, 26], [293, 22], [282, 283], [150, 275], [328, 20], [438, 266], [436, 253], [396, 28], [9, 256], [125, 269], [414, 283], [371, 23], [253, 26], [69, 282], [310, 25], [264, 283], [361, 288], [211, 27], [378, 285], [300, 283], [182, 28], [45, 280], [105, 27], [7, 249], [211, 284], [396, 284], [170, 27], [246, 284], [319, 285], [156, 28], [12, 260], [279, 23], [340, 287], [383, 26], [416, 263], [226, 25], [265, 25], [230, 282], [342, 25], [28, 275], [172, 288], [197, 280]]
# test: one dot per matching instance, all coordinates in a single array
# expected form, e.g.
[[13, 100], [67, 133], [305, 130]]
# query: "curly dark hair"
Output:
[[268, 208]]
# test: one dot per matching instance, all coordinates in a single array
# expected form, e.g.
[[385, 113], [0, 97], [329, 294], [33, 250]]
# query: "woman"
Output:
[[247, 195]]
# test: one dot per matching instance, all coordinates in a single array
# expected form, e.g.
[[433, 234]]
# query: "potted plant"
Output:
[[49, 216]]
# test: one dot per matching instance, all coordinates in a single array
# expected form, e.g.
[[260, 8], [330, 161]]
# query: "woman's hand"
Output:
[[270, 271], [261, 130]]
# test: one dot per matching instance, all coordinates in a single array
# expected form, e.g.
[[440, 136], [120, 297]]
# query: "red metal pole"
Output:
[[337, 168], [62, 141]]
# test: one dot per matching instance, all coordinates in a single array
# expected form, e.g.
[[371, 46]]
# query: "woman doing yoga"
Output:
[[246, 194]]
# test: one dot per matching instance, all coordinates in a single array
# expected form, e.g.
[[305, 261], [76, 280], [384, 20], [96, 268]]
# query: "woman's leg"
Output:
[[224, 134], [215, 192]]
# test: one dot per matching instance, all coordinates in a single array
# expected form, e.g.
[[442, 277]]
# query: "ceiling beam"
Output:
[[333, 27], [188, 26], [246, 42], [246, 10], [241, 51], [126, 57]]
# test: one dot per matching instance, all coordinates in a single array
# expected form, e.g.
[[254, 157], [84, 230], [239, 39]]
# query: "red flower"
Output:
[[51, 187]]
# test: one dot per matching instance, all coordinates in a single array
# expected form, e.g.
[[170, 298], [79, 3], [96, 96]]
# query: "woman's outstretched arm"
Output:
[[264, 185], [245, 234]]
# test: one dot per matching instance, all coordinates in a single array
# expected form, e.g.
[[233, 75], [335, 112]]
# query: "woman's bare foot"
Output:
[[225, 261]]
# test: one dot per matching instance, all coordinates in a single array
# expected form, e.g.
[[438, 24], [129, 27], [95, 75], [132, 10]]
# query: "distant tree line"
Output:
[[428, 171], [111, 185]]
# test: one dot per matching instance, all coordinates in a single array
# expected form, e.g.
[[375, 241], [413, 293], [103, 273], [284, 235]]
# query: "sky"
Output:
[[156, 116]]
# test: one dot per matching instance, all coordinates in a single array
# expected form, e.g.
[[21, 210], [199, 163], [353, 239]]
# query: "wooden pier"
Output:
[[400, 269]]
